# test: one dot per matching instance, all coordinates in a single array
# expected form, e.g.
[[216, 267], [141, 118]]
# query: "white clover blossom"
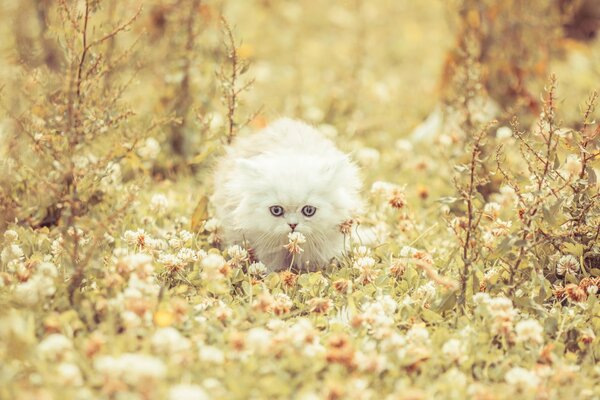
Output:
[[186, 255], [12, 252], [367, 156], [425, 292], [133, 368], [522, 378], [567, 264], [529, 330], [295, 239], [453, 349], [212, 225], [259, 340], [69, 374], [54, 347], [185, 235], [257, 268], [168, 340], [11, 236], [135, 238], [364, 262], [492, 210], [418, 335], [159, 203], [383, 189], [211, 354], [188, 392], [238, 254], [503, 133], [150, 149], [572, 165]]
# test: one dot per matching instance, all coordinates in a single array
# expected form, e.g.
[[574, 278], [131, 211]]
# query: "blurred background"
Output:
[[153, 91]]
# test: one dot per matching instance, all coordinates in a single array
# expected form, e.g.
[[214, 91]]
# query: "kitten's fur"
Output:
[[289, 164]]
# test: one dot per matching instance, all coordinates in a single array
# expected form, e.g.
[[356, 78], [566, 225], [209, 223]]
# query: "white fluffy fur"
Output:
[[289, 164]]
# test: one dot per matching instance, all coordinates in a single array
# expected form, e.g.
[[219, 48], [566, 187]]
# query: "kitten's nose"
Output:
[[293, 226]]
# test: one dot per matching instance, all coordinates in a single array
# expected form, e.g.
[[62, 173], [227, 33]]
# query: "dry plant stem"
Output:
[[472, 219], [230, 82]]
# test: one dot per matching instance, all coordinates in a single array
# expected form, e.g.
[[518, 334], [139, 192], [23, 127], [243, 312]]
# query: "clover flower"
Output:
[[168, 340], [454, 349], [529, 330], [55, 347], [522, 378], [132, 368], [257, 268], [69, 374], [188, 392], [238, 255], [567, 264], [295, 239], [159, 203]]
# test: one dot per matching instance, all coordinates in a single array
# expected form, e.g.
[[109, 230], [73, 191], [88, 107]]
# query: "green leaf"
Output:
[[447, 303], [575, 249], [430, 316], [200, 213]]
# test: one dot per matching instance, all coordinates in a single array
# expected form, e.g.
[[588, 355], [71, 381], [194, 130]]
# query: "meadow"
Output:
[[475, 127]]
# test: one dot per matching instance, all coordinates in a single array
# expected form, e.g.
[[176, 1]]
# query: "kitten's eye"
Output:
[[309, 211], [277, 211]]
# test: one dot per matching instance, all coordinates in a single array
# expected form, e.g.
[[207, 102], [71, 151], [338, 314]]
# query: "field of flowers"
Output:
[[473, 122]]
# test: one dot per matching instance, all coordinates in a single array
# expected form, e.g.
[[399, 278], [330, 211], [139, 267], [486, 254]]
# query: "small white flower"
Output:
[[185, 235], [503, 133], [492, 210], [259, 339], [69, 374], [364, 262], [12, 252], [150, 149], [529, 330], [567, 264], [133, 368], [403, 145], [522, 378], [295, 239], [418, 335], [212, 225], [56, 248], [47, 269], [11, 236], [426, 292], [213, 262], [187, 392], [169, 340], [211, 354], [159, 203], [572, 165], [54, 347], [187, 255], [383, 189], [238, 254], [367, 156], [453, 349], [257, 268]]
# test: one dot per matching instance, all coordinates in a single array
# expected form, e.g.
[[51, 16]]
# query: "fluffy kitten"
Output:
[[286, 178]]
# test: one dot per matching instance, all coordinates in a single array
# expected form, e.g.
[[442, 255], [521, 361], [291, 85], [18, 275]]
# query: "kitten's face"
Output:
[[295, 193]]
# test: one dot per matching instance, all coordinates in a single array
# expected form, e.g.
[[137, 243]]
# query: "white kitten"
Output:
[[285, 178]]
